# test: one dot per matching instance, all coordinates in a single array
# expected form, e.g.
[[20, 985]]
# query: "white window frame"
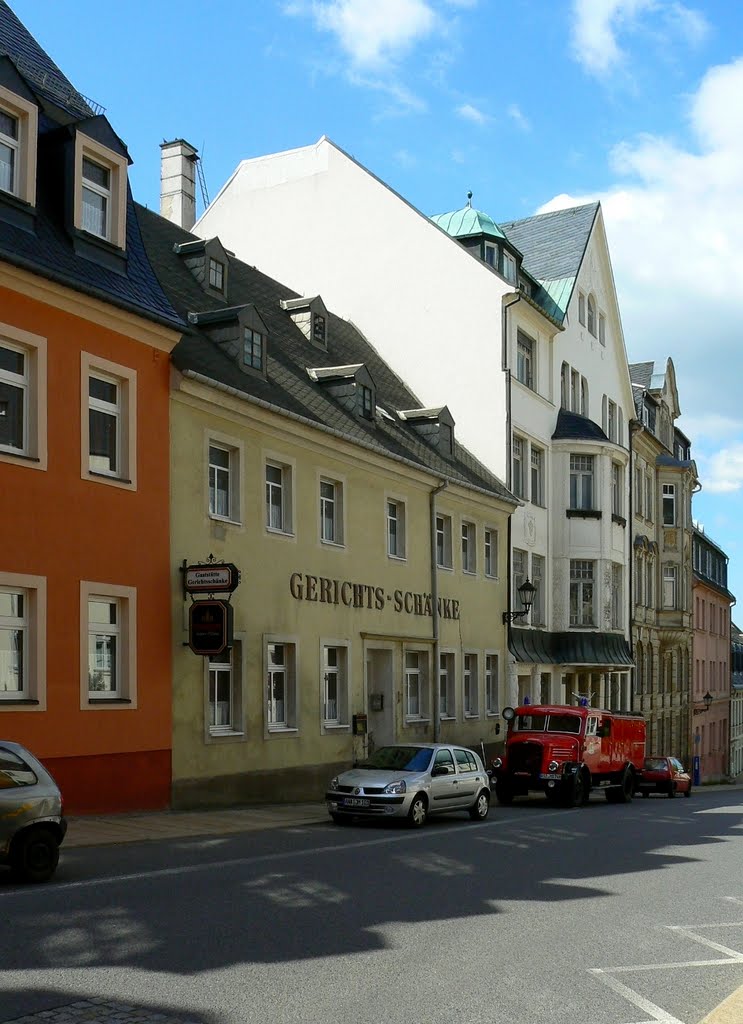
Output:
[[470, 685], [337, 505], [469, 547], [520, 566], [235, 665], [670, 586], [565, 386], [286, 489], [419, 674], [125, 696], [25, 146], [617, 489], [509, 267], [538, 608], [446, 681], [32, 695], [490, 552], [289, 724], [491, 665], [536, 475], [33, 453], [582, 469], [579, 585], [602, 329], [617, 602], [126, 380], [395, 540], [116, 165], [526, 360], [342, 672], [591, 315], [669, 502], [582, 309], [443, 541], [518, 459]]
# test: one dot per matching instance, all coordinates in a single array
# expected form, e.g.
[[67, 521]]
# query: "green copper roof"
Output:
[[555, 296], [466, 222]]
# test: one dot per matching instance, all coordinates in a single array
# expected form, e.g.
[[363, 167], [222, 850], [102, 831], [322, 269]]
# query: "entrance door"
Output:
[[380, 696]]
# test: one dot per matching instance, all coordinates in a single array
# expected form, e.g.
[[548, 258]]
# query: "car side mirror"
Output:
[[440, 769]]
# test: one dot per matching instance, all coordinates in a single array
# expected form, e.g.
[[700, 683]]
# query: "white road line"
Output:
[[734, 954], [656, 1013], [669, 966]]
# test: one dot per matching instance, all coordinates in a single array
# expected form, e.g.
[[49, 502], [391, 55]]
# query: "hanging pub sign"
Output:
[[211, 578], [209, 627]]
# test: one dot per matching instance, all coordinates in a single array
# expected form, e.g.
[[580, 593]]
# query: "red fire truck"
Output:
[[566, 751]]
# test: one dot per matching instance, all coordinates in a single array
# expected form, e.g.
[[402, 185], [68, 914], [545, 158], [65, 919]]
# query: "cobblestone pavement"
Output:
[[102, 1011]]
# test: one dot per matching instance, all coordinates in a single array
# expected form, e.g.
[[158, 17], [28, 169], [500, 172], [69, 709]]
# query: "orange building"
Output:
[[85, 338]]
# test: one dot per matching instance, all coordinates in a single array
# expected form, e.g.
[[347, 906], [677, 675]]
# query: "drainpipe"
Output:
[[630, 589], [435, 612], [514, 297]]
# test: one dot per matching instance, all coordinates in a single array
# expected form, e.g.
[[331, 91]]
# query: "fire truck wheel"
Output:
[[503, 793], [577, 794]]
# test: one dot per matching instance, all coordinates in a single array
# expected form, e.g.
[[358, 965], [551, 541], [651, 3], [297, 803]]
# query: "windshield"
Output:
[[400, 759], [564, 723], [655, 764], [547, 723]]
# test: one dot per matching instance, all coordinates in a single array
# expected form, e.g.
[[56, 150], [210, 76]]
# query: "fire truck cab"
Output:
[[566, 751]]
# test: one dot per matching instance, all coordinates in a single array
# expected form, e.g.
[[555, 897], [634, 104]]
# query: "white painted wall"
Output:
[[321, 223]]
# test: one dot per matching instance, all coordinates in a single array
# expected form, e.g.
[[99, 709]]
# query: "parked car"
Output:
[[664, 775], [32, 822], [411, 781]]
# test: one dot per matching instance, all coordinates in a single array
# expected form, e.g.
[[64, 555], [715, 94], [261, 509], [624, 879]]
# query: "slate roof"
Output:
[[538, 646], [641, 374], [46, 247], [571, 426], [554, 243], [288, 385]]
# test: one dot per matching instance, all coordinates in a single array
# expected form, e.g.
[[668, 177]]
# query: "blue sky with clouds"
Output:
[[530, 104]]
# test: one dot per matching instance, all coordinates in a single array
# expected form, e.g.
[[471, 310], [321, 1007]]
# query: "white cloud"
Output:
[[469, 113], [516, 114], [372, 34], [723, 473], [598, 24]]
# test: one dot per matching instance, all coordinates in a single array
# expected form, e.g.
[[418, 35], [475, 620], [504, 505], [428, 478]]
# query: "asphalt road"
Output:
[[598, 915]]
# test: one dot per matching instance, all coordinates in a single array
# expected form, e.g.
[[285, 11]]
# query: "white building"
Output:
[[519, 326]]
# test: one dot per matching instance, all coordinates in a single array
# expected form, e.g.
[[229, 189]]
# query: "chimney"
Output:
[[178, 182]]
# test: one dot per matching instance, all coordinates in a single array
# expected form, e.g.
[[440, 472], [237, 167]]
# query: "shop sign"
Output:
[[321, 589], [209, 627], [211, 578]]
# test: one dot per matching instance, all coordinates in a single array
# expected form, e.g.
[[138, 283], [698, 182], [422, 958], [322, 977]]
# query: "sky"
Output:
[[530, 104]]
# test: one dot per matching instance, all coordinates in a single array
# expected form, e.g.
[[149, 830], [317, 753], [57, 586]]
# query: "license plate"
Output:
[[356, 801], [550, 775]]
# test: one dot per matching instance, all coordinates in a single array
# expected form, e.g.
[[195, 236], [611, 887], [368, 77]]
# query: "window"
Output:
[[100, 195], [518, 467], [443, 542], [537, 578], [649, 588], [509, 267], [367, 402], [334, 685], [470, 702], [108, 624], [216, 274], [525, 360], [581, 481], [447, 705], [253, 348], [280, 686], [491, 255], [581, 593], [331, 512], [446, 439], [492, 697], [574, 390], [415, 685], [14, 641], [669, 586], [319, 329], [22, 397], [617, 489], [14, 398], [491, 553], [584, 397], [220, 486], [638, 579], [649, 495], [223, 708], [602, 329], [395, 529], [581, 309], [565, 386], [669, 504], [469, 548], [519, 576], [591, 321], [537, 475], [616, 596], [278, 497], [18, 146], [109, 422]]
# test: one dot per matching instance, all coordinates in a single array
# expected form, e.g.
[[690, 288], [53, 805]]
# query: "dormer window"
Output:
[[446, 439], [491, 255], [253, 348], [8, 151], [18, 143], [216, 274], [100, 191], [311, 317], [318, 329], [509, 267], [96, 198], [367, 402]]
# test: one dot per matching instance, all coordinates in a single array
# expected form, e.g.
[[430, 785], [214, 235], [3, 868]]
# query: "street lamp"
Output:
[[526, 592], [707, 698]]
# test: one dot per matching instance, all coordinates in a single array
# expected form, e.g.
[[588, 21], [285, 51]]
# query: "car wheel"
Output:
[[340, 819], [481, 806], [503, 793], [687, 791], [418, 812], [35, 855], [672, 791]]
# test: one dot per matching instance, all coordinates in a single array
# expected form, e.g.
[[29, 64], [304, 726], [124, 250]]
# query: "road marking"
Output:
[[689, 934], [656, 1012]]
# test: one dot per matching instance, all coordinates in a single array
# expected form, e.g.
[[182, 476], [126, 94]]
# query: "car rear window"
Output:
[[14, 771], [655, 764], [465, 760]]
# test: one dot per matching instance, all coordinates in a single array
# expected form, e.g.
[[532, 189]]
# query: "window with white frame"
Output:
[[617, 489], [670, 580], [509, 267], [469, 547], [395, 528], [638, 491], [602, 329], [254, 347], [100, 195], [669, 504], [581, 309], [470, 686], [334, 685], [581, 592], [222, 672], [584, 397], [104, 669], [281, 696], [216, 274], [616, 596], [492, 689], [574, 390], [14, 643], [415, 685], [447, 701], [518, 482], [537, 578], [649, 586], [565, 386], [649, 497], [96, 198], [537, 476], [591, 319], [443, 542], [9, 151], [221, 484], [520, 570], [278, 497], [22, 396], [18, 146], [611, 420], [639, 579], [108, 623], [581, 481], [491, 255], [331, 511], [110, 422], [525, 360], [490, 555]]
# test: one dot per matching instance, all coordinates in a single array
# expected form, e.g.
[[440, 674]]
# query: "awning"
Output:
[[575, 647]]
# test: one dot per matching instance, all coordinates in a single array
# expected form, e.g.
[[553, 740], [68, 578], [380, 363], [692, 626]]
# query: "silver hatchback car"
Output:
[[411, 780], [32, 823]]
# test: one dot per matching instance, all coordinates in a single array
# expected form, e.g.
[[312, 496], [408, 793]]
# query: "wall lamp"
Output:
[[526, 592], [707, 698]]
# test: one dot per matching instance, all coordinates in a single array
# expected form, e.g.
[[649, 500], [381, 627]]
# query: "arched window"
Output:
[[639, 665], [592, 315], [565, 386]]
